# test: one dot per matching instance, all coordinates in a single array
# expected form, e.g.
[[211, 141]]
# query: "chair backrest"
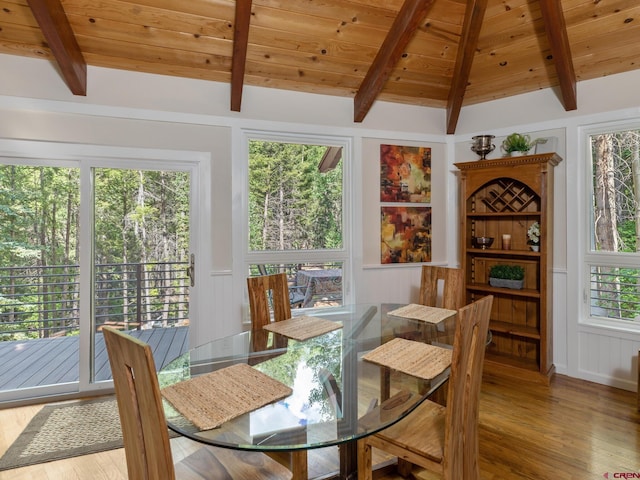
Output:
[[144, 427], [263, 288], [463, 398], [451, 279]]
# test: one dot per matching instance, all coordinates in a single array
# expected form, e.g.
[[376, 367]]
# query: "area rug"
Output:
[[65, 430]]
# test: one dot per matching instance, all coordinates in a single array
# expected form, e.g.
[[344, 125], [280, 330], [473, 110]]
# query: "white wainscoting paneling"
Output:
[[389, 284], [608, 359], [217, 316]]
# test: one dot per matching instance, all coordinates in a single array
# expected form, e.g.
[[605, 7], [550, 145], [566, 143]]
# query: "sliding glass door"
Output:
[[84, 244], [140, 258]]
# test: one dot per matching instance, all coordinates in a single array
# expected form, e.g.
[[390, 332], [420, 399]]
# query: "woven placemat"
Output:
[[212, 399], [423, 312], [414, 358], [302, 328]]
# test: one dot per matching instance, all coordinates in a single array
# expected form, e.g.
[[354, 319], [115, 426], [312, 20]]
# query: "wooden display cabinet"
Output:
[[506, 196]]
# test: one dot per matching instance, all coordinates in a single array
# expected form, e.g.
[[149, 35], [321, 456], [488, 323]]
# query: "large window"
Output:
[[296, 216], [613, 260]]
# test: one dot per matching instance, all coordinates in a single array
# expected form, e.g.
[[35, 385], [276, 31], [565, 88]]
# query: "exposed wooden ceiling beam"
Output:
[[466, 51], [63, 44], [240, 41], [556, 29], [409, 17]]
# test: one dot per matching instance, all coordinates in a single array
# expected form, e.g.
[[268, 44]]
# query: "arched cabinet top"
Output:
[[526, 169]]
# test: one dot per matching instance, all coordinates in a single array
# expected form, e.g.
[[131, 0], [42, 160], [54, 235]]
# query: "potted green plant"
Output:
[[506, 276], [519, 144]]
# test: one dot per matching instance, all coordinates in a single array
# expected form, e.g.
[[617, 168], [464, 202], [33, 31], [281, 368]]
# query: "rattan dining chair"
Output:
[[144, 428], [441, 439]]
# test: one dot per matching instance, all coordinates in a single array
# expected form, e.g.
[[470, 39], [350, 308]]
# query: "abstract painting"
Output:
[[405, 174], [405, 234]]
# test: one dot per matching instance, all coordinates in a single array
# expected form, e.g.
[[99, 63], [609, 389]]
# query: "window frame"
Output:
[[591, 257], [343, 254]]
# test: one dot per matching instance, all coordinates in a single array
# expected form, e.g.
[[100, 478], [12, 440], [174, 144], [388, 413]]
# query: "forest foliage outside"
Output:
[[141, 234], [615, 291], [292, 205]]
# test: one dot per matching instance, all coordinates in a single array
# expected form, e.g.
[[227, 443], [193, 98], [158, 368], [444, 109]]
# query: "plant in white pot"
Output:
[[506, 276], [534, 236], [519, 144]]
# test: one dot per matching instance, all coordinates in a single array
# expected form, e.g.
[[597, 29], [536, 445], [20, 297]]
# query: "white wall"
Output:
[[140, 110]]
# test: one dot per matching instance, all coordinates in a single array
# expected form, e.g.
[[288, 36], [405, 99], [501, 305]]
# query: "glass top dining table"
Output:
[[337, 396]]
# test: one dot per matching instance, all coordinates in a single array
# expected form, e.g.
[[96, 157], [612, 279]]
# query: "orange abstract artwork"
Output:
[[405, 234], [405, 174]]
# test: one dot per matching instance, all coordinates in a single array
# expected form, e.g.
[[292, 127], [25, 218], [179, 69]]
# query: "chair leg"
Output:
[[295, 462], [404, 468], [299, 467], [385, 384], [365, 467]]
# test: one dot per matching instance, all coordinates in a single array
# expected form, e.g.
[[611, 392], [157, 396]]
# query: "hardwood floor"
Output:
[[571, 429]]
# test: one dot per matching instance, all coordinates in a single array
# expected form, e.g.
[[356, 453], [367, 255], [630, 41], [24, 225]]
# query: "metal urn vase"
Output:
[[482, 145]]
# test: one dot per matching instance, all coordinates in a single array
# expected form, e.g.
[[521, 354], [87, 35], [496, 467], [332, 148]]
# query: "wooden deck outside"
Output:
[[48, 361]]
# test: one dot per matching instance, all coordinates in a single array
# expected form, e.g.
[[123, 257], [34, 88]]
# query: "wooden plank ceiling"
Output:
[[437, 53]]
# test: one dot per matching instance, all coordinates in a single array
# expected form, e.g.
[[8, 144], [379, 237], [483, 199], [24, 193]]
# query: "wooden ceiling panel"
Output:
[[337, 12], [274, 73], [580, 29], [425, 94], [157, 68], [434, 44], [288, 23], [24, 34], [220, 9], [149, 17], [327, 46], [447, 13], [135, 35], [173, 60], [266, 39], [17, 13], [576, 11], [512, 85], [593, 60], [288, 79], [279, 57]]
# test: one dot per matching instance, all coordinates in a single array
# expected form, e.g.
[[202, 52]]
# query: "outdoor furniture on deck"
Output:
[[326, 283]]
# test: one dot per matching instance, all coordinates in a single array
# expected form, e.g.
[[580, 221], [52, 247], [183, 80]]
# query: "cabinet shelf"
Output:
[[523, 363], [518, 330], [505, 197], [496, 251], [489, 290]]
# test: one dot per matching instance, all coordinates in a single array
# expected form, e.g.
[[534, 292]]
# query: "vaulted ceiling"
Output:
[[437, 53]]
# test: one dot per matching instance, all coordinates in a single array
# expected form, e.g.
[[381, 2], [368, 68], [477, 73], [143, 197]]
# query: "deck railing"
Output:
[[44, 301], [615, 292]]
